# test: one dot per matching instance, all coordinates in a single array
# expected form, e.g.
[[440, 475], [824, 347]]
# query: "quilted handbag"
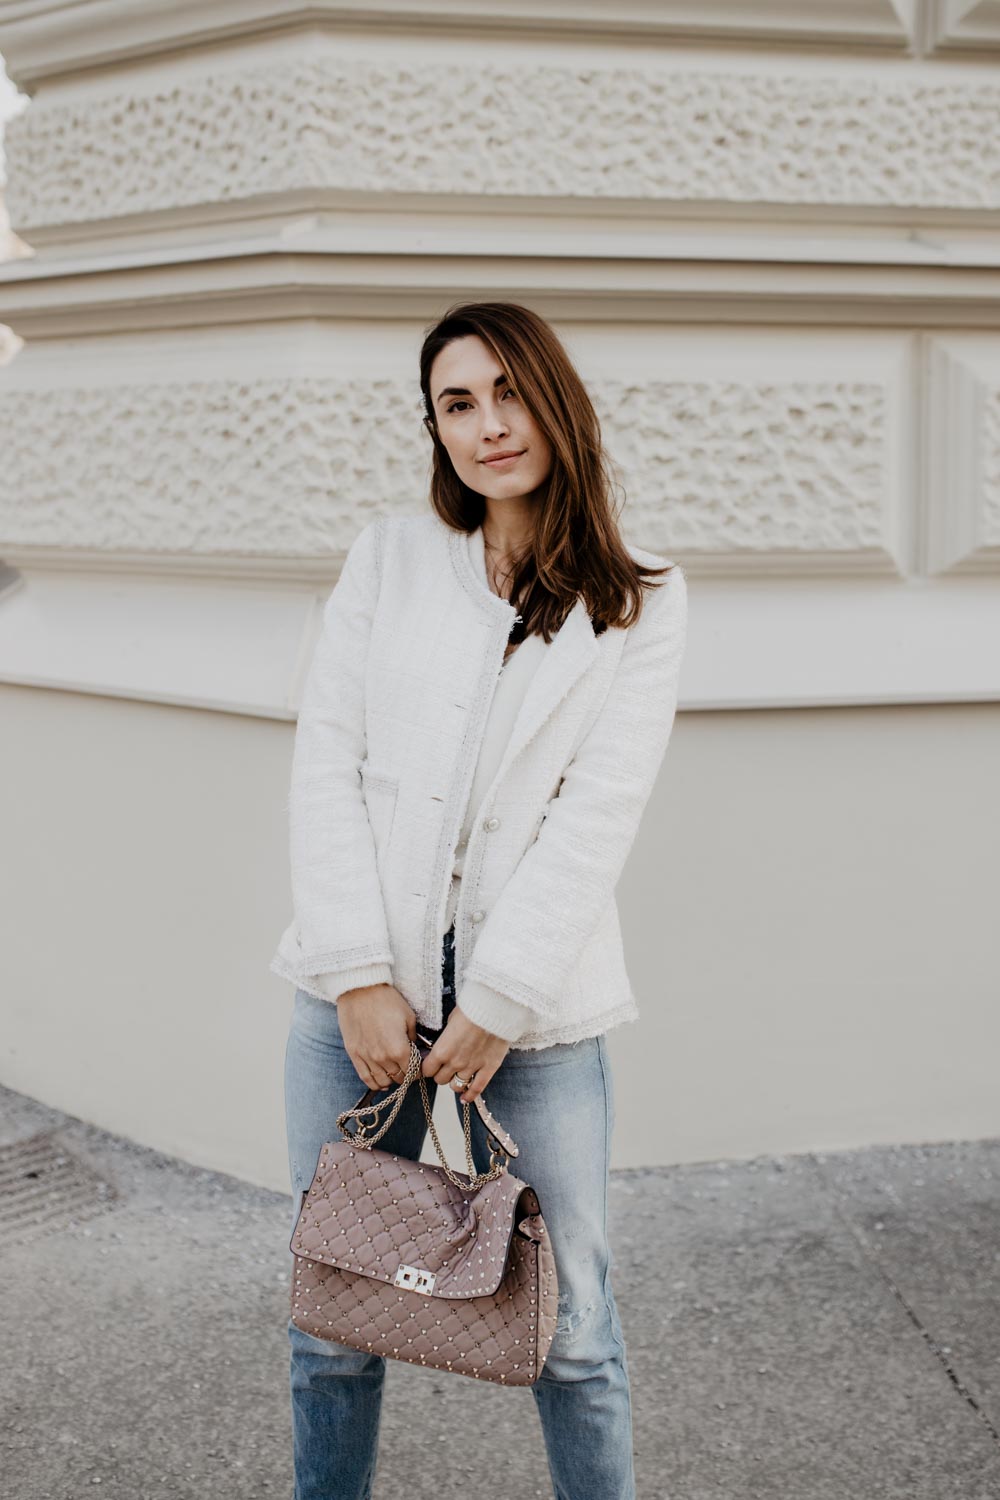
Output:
[[417, 1262]]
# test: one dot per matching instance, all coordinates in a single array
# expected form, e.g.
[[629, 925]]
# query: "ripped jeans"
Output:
[[557, 1102]]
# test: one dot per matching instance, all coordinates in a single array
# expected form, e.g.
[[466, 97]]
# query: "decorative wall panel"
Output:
[[730, 467], [291, 467], [531, 131]]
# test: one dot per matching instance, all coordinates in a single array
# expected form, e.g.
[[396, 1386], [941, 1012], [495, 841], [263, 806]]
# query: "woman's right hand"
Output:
[[377, 1025]]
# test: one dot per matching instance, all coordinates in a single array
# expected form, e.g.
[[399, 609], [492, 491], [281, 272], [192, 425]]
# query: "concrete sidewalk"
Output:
[[799, 1328]]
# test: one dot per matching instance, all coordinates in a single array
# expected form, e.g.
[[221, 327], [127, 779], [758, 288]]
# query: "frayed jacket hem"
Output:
[[577, 1031]]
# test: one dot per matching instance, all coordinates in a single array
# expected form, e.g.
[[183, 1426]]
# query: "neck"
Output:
[[508, 524]]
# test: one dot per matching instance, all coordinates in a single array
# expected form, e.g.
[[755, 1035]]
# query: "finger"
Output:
[[459, 1072], [398, 1065], [363, 1071], [438, 1068], [477, 1083], [431, 1065]]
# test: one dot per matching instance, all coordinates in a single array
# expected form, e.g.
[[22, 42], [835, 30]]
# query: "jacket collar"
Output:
[[567, 657]]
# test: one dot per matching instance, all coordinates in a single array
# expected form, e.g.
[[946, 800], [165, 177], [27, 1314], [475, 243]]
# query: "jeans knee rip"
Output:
[[569, 1322]]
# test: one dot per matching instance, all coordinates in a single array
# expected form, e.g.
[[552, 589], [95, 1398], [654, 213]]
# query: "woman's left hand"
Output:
[[466, 1049]]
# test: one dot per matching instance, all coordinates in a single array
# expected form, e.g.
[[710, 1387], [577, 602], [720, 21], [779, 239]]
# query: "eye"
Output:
[[456, 404]]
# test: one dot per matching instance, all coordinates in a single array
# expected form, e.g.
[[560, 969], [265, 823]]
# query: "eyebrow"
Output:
[[459, 390]]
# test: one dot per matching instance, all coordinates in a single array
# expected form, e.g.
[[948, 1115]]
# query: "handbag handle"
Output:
[[500, 1142]]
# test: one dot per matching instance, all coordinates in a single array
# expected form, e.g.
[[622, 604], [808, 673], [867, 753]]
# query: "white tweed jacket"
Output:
[[392, 714]]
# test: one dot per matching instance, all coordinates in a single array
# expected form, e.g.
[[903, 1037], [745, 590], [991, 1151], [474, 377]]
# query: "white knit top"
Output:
[[508, 695]]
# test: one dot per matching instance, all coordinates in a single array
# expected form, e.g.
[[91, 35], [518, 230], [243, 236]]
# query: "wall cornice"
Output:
[[105, 33], [50, 300]]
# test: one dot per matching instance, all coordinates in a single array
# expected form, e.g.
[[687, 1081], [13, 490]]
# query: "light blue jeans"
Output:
[[558, 1104]]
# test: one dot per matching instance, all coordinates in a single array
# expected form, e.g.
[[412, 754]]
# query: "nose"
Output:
[[494, 425]]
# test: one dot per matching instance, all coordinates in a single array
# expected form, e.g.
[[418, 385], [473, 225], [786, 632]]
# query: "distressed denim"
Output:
[[558, 1104]]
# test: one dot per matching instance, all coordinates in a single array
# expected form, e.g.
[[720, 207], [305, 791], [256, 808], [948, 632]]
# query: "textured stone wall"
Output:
[[649, 133], [291, 467], [780, 267], [770, 235]]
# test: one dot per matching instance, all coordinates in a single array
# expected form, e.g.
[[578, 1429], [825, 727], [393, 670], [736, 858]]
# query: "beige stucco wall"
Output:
[[768, 237], [809, 918]]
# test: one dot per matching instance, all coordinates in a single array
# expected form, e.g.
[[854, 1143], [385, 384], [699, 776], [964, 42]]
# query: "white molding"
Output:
[[328, 221], [317, 571], [791, 643], [43, 40], [962, 412], [236, 648], [56, 300], [964, 25], [758, 644]]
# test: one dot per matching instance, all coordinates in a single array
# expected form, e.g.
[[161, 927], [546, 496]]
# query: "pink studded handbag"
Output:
[[416, 1262]]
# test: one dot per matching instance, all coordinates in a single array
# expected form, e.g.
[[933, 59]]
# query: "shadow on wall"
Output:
[[12, 247]]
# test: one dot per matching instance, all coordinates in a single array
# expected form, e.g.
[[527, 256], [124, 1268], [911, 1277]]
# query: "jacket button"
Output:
[[477, 916], [492, 823]]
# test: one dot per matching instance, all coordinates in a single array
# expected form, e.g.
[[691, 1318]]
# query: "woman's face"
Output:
[[479, 418]]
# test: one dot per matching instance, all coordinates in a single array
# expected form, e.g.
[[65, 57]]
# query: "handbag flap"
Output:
[[405, 1223]]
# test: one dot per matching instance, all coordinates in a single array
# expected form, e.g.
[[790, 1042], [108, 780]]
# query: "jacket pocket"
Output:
[[380, 789]]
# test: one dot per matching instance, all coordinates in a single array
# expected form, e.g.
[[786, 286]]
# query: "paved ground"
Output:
[[799, 1328]]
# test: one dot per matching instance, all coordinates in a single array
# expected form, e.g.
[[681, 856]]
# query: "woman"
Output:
[[485, 714]]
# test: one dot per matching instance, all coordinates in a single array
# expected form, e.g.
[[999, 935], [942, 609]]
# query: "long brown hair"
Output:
[[576, 547]]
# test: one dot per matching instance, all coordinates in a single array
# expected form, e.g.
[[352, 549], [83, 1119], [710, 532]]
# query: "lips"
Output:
[[501, 460]]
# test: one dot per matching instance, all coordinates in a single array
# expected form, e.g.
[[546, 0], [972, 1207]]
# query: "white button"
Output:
[[492, 823], [477, 916]]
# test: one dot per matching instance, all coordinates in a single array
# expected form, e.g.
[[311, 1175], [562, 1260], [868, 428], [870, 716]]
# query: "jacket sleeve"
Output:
[[532, 937], [341, 926]]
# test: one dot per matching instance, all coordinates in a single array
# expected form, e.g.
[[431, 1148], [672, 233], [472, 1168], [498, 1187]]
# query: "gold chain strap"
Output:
[[373, 1111]]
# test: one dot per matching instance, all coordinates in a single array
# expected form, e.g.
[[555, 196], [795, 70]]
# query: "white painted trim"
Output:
[[796, 644], [346, 222], [70, 300], [215, 644], [243, 647], [961, 371], [964, 25], [44, 39]]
